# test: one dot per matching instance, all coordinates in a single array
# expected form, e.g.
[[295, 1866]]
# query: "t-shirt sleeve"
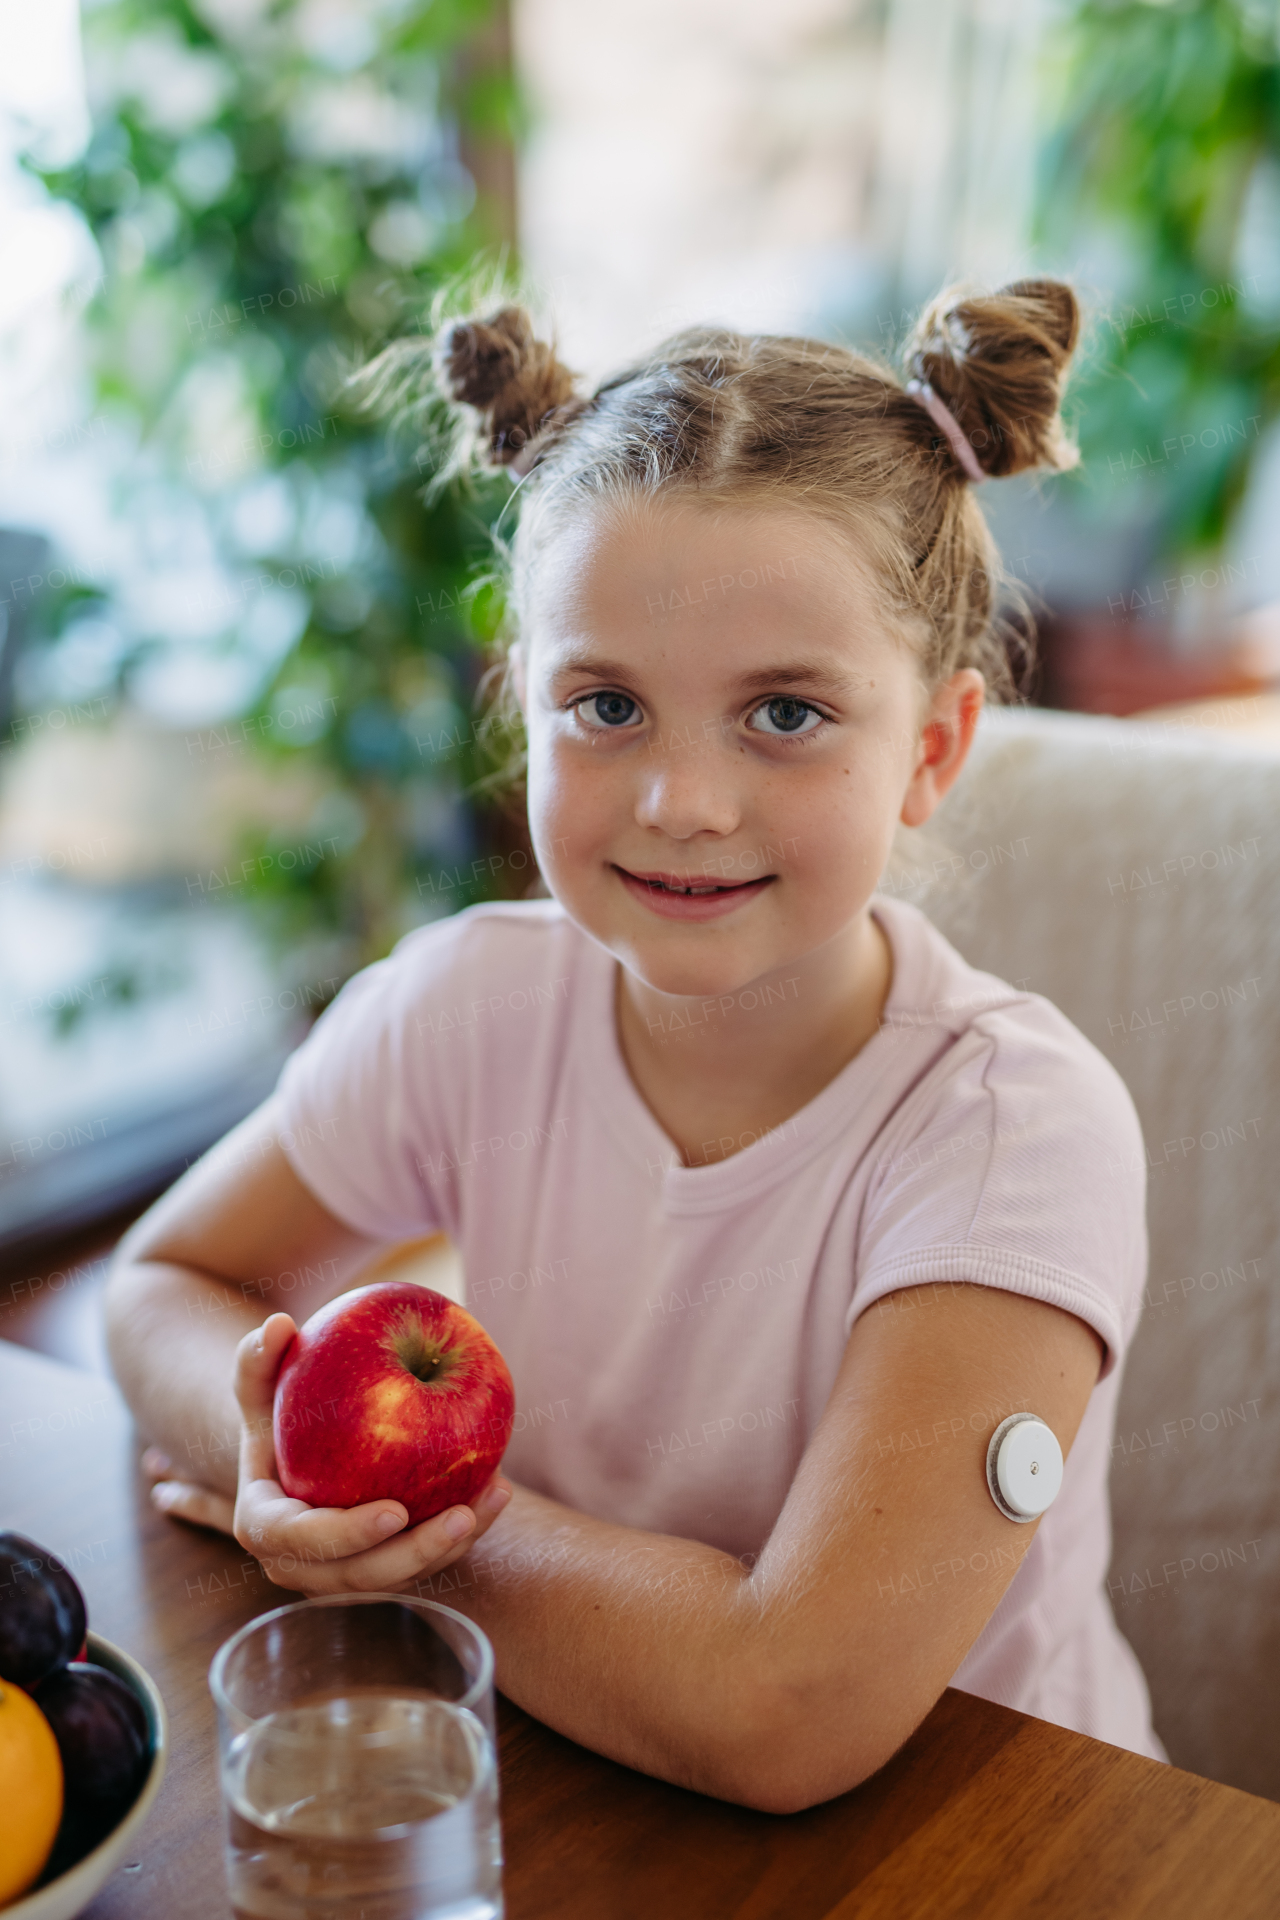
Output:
[[362, 1098], [1020, 1164]]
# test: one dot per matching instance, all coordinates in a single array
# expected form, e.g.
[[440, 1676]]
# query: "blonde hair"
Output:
[[762, 418]]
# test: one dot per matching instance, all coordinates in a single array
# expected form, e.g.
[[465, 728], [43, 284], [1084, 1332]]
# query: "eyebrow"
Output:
[[800, 673], [578, 660], [811, 674]]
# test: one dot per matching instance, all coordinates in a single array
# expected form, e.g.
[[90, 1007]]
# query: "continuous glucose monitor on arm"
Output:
[[1024, 1467]]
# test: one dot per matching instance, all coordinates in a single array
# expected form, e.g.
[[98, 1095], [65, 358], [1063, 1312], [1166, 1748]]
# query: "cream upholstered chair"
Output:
[[1131, 873]]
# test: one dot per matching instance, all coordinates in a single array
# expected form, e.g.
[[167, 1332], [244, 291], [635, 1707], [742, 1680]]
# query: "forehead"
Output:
[[667, 566]]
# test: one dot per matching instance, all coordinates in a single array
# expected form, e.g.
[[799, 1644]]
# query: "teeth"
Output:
[[695, 890]]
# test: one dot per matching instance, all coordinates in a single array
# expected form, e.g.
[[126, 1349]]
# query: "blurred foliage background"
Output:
[[276, 191], [1163, 146]]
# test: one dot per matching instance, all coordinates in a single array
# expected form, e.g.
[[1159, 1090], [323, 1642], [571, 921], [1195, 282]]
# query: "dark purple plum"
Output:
[[42, 1613], [103, 1737]]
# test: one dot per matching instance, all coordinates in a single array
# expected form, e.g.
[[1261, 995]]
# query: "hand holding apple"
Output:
[[391, 1392], [316, 1550]]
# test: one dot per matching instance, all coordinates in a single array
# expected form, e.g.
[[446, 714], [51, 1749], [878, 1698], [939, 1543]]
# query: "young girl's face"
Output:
[[722, 729]]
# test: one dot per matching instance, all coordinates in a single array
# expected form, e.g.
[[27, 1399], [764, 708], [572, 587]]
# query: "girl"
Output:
[[774, 1205]]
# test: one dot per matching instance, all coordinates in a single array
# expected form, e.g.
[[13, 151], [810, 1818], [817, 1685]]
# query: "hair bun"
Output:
[[498, 366], [999, 361]]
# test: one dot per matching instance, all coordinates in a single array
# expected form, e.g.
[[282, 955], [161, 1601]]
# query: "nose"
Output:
[[686, 788]]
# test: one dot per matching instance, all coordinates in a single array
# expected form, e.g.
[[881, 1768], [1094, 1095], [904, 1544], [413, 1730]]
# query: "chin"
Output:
[[690, 978]]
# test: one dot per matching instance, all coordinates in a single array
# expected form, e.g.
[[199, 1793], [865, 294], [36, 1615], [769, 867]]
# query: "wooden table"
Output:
[[984, 1812]]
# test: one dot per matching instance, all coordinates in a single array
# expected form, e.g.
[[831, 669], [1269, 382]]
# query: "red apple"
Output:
[[391, 1392]]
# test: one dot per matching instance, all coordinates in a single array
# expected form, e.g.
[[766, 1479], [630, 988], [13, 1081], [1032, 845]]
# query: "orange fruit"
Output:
[[30, 1791]]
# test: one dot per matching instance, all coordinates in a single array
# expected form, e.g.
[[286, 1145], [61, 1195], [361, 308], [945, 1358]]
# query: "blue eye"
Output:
[[606, 710], [787, 716]]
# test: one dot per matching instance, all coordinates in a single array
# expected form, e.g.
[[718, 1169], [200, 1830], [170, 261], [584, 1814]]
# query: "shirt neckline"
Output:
[[774, 1156]]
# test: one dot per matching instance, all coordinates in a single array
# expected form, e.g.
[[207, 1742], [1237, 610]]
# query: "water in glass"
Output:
[[368, 1805]]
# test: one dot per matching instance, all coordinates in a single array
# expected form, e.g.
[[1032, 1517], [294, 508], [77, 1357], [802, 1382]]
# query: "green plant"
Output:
[[276, 188], [1165, 137]]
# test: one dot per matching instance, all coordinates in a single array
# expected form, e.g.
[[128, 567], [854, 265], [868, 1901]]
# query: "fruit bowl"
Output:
[[72, 1891]]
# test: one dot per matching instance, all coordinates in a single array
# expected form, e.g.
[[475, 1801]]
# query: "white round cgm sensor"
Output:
[[1024, 1467]]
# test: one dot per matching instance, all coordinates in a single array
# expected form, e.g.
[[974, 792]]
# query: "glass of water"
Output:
[[358, 1763]]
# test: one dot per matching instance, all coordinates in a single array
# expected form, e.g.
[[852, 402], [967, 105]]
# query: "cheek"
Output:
[[854, 804], [565, 797], [543, 790]]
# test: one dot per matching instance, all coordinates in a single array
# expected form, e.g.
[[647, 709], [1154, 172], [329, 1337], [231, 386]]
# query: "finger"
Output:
[[490, 1503], [156, 1464], [269, 1522], [200, 1505], [410, 1556], [299, 1546], [258, 1360]]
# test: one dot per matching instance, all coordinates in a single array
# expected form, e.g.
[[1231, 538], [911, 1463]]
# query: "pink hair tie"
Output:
[[921, 390]]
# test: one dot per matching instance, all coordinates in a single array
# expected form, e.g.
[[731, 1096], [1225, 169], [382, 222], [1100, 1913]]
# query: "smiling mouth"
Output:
[[691, 889]]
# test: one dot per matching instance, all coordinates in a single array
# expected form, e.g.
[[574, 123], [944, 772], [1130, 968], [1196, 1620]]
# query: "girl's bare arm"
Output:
[[787, 1684], [236, 1238]]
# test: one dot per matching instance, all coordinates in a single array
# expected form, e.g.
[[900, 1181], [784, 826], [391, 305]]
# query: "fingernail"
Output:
[[459, 1524], [161, 1494], [156, 1462], [497, 1498], [388, 1523]]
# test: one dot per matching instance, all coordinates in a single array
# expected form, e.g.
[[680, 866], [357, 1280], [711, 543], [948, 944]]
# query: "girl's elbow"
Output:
[[787, 1759], [119, 1312], [776, 1783]]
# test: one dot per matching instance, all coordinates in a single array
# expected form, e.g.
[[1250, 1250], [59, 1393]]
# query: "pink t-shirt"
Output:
[[674, 1332]]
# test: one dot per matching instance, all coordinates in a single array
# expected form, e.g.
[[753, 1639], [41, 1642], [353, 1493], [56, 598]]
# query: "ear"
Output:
[[946, 734]]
